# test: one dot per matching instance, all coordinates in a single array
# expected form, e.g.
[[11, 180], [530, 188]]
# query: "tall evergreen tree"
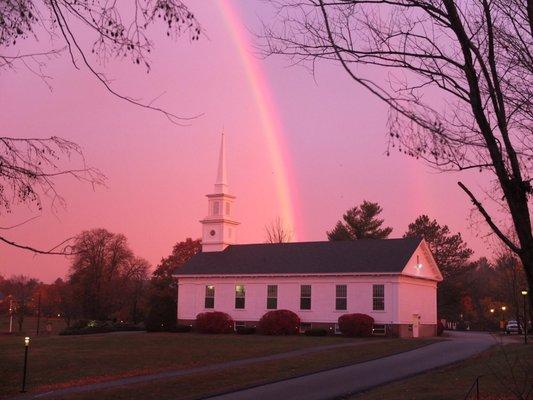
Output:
[[360, 222]]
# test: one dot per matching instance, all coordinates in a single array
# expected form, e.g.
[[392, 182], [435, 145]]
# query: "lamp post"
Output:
[[26, 346], [524, 295], [10, 315], [491, 318], [38, 312]]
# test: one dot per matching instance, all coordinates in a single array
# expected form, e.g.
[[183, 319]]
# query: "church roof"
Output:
[[358, 256]]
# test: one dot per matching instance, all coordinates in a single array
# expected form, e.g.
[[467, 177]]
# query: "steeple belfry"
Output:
[[218, 228]]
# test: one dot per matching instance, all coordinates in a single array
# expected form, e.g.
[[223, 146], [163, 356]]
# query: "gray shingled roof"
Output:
[[359, 256]]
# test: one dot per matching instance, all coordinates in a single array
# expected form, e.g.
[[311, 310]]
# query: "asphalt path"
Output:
[[340, 382]]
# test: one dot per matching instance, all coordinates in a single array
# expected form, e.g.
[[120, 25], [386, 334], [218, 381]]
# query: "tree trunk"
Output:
[[527, 261]]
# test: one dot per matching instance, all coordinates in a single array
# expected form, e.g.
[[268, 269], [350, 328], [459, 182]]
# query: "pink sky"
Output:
[[332, 135]]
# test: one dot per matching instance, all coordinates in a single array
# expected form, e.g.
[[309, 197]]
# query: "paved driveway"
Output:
[[355, 378]]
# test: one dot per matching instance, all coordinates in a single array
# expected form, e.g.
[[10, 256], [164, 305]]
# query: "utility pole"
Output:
[[38, 312]]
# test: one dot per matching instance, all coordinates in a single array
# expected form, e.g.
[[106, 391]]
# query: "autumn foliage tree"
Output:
[[20, 289], [102, 273], [456, 76], [360, 222], [162, 298]]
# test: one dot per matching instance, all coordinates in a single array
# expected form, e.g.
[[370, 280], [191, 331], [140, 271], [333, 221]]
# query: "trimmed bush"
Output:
[[316, 332], [245, 330], [214, 322], [279, 322], [440, 328], [356, 325]]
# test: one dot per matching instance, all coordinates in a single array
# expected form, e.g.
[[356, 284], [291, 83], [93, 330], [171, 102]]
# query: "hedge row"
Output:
[[282, 322], [86, 327]]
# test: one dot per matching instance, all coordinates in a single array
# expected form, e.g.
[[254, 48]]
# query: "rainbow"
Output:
[[268, 115]]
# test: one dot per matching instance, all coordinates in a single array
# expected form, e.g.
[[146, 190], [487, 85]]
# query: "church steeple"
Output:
[[218, 228], [221, 184]]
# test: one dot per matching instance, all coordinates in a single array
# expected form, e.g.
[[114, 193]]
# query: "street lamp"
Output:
[[503, 317], [524, 295], [26, 346]]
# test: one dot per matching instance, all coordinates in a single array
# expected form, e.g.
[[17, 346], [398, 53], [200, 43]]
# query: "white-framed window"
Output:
[[305, 297], [227, 208], [240, 297], [209, 296], [272, 297], [341, 294], [216, 208], [378, 297], [337, 330], [305, 326]]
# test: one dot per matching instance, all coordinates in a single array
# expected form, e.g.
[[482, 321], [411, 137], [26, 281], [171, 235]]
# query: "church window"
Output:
[[378, 297], [305, 297], [227, 208], [340, 297], [216, 208], [272, 297], [209, 296], [239, 296]]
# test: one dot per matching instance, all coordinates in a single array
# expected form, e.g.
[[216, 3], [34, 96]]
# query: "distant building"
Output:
[[392, 280]]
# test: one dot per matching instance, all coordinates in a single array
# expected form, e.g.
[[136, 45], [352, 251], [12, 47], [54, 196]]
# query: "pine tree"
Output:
[[360, 222]]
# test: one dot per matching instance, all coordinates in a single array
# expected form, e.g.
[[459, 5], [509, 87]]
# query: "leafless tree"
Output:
[[277, 232], [29, 166], [458, 83], [119, 31], [28, 171]]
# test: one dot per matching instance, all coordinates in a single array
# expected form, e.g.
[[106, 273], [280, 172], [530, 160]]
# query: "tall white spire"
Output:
[[221, 184], [218, 227]]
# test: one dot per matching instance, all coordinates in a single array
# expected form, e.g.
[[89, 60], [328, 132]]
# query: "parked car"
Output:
[[512, 327]]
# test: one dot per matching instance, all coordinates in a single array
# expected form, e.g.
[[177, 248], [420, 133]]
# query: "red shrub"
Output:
[[279, 322], [214, 322], [356, 325], [440, 328]]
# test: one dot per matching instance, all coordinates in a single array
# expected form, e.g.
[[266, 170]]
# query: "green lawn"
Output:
[[205, 384], [503, 368], [59, 361]]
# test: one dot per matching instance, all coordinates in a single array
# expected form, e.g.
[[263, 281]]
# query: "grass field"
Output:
[[59, 361], [205, 384], [29, 326], [502, 368]]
